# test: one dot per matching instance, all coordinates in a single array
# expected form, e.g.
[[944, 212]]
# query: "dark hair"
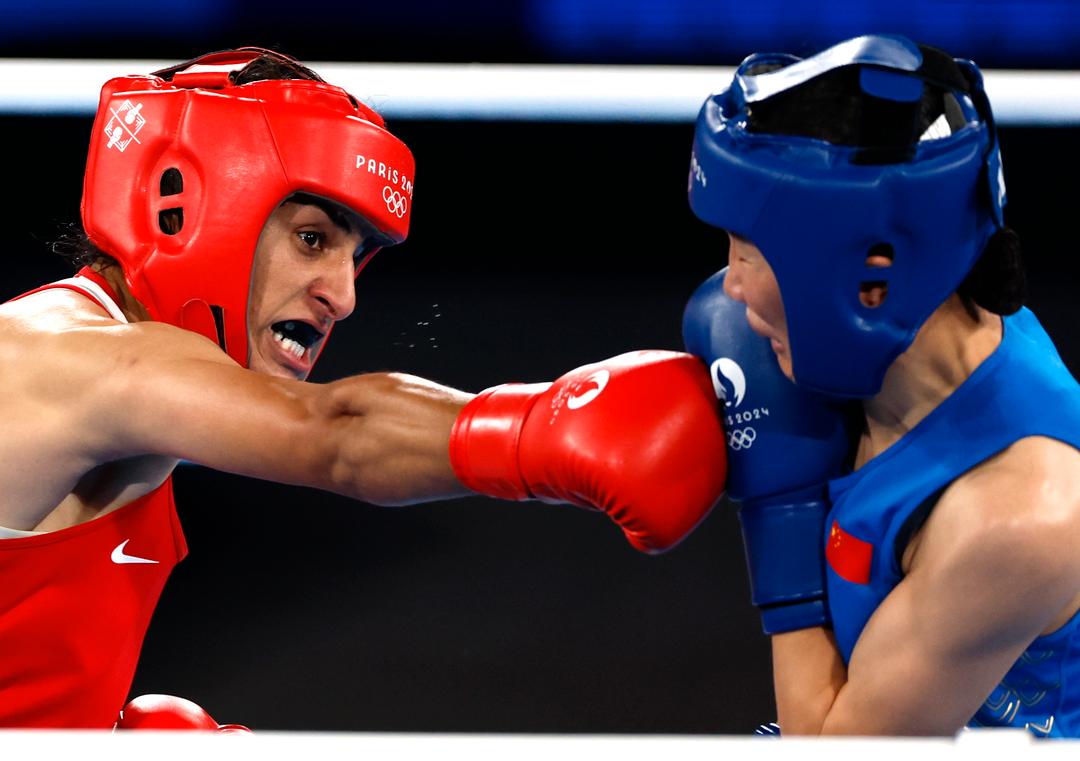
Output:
[[833, 107], [997, 282], [72, 242], [273, 65]]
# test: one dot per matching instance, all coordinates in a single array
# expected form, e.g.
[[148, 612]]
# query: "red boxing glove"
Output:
[[637, 436], [170, 712]]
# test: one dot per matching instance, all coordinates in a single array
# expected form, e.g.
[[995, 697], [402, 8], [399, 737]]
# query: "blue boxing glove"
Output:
[[784, 443]]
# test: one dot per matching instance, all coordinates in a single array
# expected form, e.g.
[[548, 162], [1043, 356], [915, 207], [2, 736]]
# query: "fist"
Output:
[[637, 436], [171, 713]]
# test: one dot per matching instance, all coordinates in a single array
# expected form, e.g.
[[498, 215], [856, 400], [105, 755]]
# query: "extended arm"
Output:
[[381, 437], [636, 436]]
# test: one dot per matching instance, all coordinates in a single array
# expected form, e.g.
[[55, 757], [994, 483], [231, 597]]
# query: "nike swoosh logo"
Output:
[[120, 557]]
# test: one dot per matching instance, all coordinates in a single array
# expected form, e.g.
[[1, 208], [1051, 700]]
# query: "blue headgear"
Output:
[[816, 209]]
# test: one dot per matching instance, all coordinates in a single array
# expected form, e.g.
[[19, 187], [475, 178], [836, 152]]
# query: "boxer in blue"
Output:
[[911, 503]]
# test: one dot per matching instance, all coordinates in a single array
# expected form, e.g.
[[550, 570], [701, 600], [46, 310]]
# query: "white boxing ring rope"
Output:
[[512, 92]]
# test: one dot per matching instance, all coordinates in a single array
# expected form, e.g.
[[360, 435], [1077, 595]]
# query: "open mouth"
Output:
[[295, 336]]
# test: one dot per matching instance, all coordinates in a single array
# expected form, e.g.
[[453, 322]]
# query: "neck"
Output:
[[129, 305], [948, 348]]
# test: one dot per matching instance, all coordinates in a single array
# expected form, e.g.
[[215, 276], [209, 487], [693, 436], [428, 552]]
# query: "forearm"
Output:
[[808, 674], [817, 694], [389, 435]]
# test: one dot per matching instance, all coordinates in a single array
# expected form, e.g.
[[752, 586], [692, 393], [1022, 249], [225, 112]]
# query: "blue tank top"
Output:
[[1022, 389]]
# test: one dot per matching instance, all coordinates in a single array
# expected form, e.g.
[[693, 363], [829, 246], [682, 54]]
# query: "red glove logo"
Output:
[[588, 389]]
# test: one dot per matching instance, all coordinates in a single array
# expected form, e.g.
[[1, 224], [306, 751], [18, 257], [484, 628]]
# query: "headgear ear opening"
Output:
[[815, 209]]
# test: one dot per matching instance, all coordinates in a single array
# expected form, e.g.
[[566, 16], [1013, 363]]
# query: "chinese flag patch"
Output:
[[849, 556]]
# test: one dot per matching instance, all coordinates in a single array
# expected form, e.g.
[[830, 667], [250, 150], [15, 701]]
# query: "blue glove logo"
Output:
[[730, 370], [742, 438], [729, 383]]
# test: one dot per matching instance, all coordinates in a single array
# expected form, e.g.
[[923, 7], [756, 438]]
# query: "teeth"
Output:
[[290, 345]]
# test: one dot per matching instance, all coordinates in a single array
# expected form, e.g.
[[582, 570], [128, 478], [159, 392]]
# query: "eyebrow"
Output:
[[337, 215]]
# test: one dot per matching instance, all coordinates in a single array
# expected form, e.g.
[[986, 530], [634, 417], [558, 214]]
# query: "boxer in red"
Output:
[[229, 203]]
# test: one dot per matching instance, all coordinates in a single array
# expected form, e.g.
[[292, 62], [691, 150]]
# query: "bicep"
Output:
[[926, 661], [189, 401], [911, 673], [981, 590]]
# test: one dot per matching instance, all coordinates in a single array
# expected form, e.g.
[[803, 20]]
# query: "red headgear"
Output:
[[186, 144]]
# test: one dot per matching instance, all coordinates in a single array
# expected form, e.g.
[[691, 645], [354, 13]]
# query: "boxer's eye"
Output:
[[312, 239]]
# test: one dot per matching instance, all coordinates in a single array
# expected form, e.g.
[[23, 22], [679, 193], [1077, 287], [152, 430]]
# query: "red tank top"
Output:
[[75, 605]]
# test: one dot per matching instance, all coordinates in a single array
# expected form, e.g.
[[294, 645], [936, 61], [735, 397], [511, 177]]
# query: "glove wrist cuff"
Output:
[[484, 440], [785, 558], [801, 615]]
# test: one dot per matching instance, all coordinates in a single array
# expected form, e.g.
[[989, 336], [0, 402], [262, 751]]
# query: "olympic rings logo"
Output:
[[741, 438], [395, 201]]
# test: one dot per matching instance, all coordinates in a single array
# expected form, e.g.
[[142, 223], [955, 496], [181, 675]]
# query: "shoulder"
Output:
[[62, 318], [1034, 481], [1018, 511], [999, 555], [59, 347]]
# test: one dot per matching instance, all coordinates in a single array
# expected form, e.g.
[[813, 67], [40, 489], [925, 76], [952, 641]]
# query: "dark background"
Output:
[[534, 249], [543, 247], [996, 33]]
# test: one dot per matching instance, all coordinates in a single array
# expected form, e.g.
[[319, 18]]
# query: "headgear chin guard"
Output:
[[185, 167], [816, 210]]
